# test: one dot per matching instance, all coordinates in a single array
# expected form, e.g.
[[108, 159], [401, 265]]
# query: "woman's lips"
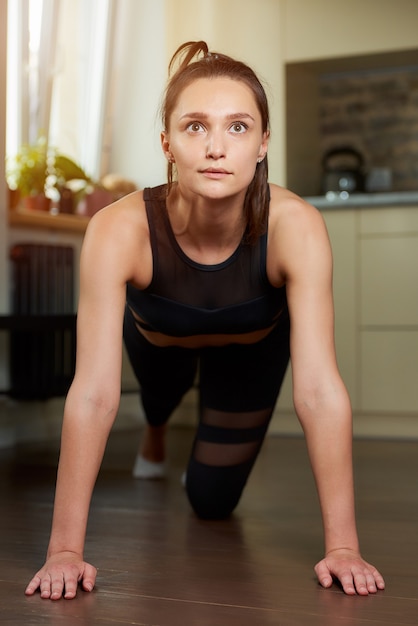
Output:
[[212, 172]]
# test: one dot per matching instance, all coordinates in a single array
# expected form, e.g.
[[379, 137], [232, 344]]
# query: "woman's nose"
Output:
[[215, 147]]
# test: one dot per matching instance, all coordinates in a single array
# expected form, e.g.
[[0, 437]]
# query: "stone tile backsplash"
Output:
[[375, 112]]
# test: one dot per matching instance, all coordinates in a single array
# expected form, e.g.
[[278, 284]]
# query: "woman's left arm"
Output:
[[320, 397]]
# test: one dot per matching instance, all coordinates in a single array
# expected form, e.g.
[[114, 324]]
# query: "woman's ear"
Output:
[[165, 144], [264, 146]]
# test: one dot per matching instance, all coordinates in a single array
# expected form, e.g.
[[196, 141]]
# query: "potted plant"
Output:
[[69, 181], [39, 174], [27, 172]]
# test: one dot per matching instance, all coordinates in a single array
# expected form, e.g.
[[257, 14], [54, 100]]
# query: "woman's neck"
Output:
[[207, 230]]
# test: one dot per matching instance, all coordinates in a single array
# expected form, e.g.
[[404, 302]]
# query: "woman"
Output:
[[220, 269]]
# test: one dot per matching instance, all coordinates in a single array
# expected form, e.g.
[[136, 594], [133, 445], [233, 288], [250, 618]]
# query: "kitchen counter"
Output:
[[334, 200]]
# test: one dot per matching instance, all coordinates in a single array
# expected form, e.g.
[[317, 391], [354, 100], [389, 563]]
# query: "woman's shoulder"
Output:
[[285, 201], [120, 231], [296, 234], [289, 209], [128, 210]]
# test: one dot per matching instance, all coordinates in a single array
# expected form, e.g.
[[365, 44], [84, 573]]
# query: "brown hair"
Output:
[[196, 61]]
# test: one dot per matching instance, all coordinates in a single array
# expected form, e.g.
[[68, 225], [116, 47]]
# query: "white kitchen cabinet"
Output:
[[389, 281], [376, 305], [388, 321], [389, 369], [395, 221]]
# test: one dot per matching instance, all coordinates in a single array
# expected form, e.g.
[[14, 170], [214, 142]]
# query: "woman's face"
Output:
[[215, 137]]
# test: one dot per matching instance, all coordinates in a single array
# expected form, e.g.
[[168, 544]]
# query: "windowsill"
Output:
[[28, 218]]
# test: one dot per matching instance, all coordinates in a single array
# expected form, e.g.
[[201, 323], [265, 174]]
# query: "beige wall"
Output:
[[148, 33], [139, 69], [264, 33], [249, 30], [332, 28]]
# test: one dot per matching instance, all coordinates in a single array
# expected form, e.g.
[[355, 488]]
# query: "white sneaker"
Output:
[[148, 470]]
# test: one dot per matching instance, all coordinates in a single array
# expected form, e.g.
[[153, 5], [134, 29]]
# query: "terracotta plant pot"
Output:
[[94, 202], [37, 203], [14, 198]]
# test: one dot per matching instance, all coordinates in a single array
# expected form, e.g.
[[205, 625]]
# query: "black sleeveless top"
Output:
[[187, 298]]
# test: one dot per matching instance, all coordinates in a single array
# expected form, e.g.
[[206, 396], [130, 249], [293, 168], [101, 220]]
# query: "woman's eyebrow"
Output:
[[203, 116]]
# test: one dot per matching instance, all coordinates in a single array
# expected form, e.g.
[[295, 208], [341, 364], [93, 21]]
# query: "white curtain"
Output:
[[17, 86], [46, 63], [98, 73], [59, 69]]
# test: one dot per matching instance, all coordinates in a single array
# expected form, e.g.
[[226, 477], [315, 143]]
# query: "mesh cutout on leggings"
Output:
[[226, 439]]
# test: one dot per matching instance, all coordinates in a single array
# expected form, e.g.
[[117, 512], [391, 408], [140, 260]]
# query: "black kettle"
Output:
[[342, 170]]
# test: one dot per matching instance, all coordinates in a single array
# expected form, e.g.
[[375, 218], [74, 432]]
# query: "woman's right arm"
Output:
[[91, 405]]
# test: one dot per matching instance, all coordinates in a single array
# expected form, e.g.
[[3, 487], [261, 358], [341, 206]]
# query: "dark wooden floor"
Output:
[[159, 566]]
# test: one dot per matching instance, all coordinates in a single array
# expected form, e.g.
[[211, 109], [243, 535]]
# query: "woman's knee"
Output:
[[214, 492], [211, 508]]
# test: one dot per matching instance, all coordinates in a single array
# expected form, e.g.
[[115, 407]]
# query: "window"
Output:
[[58, 73]]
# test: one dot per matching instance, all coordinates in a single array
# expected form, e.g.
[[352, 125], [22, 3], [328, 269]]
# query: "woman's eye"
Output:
[[195, 127], [238, 127]]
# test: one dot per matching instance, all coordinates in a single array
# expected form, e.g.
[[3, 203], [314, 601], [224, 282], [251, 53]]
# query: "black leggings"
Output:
[[238, 385]]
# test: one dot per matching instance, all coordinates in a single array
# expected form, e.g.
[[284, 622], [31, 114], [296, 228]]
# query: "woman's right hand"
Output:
[[61, 575]]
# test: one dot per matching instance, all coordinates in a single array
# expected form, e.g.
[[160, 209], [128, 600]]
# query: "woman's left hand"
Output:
[[354, 574]]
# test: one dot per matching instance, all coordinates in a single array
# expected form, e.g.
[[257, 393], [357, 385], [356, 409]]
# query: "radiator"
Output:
[[42, 359]]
